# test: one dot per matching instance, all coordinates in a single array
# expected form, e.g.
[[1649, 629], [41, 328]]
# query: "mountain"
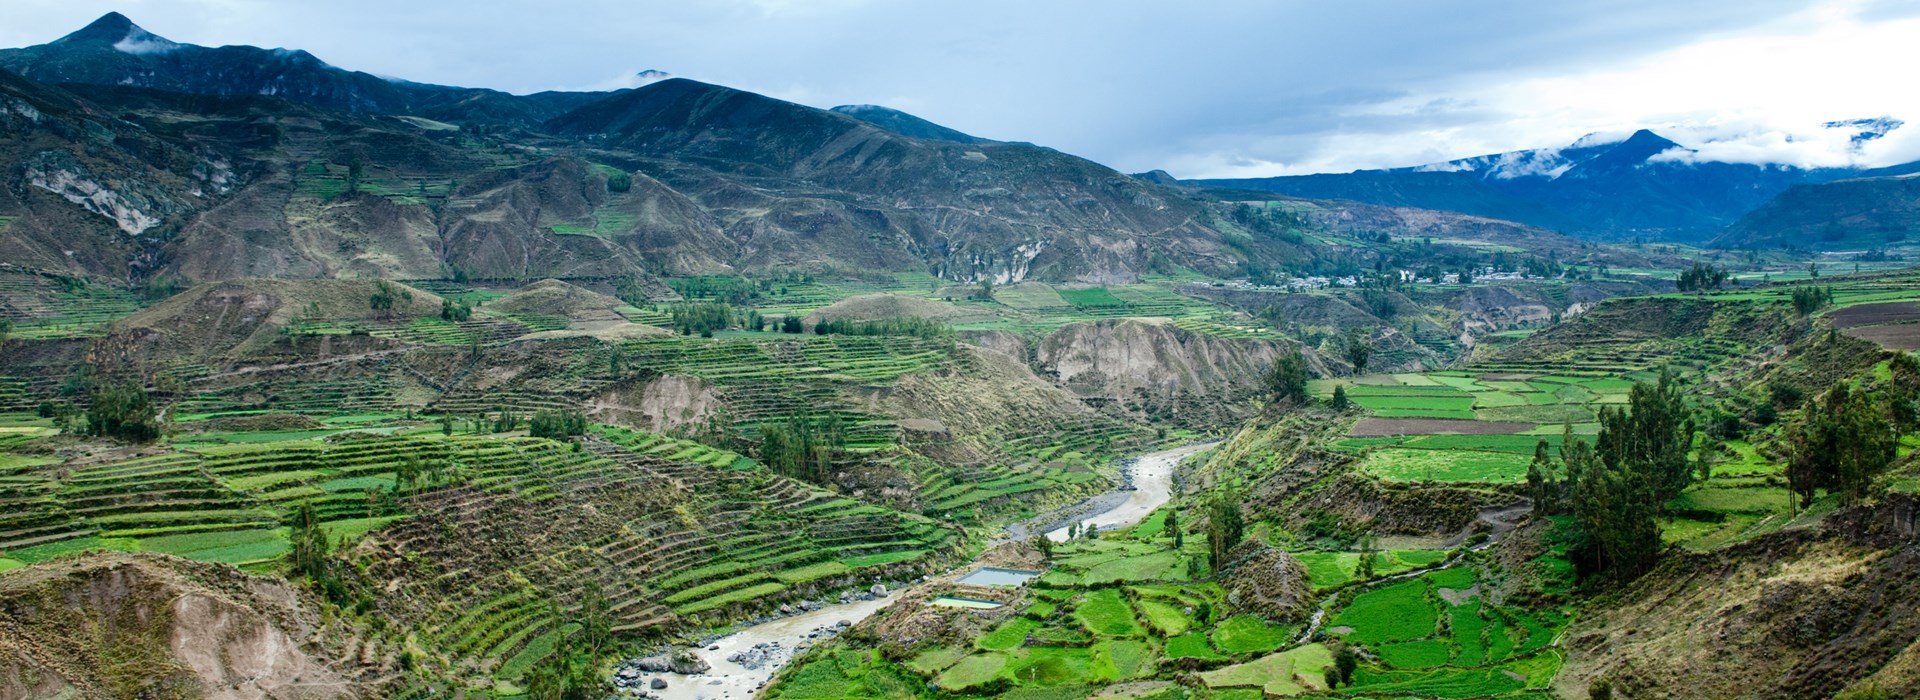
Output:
[[145, 157], [904, 124], [1853, 214], [1642, 186], [115, 51]]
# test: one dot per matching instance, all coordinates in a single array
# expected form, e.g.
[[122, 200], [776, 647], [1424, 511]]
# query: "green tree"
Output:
[[1357, 348], [555, 424], [1225, 527], [1042, 544], [1842, 442], [1652, 436], [619, 182], [1287, 381], [1701, 278], [1339, 401], [1172, 528], [122, 410], [308, 556], [1807, 299]]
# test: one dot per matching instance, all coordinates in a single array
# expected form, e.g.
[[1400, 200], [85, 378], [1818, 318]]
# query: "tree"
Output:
[[1340, 402], [1287, 381], [596, 622], [355, 170], [1808, 299], [1652, 437], [1357, 348], [6, 329], [1042, 544], [456, 311], [1701, 277], [791, 324], [386, 296], [310, 547], [1543, 483], [122, 410], [557, 424], [619, 182], [1225, 527], [1843, 440], [1369, 558], [1172, 528], [1346, 662]]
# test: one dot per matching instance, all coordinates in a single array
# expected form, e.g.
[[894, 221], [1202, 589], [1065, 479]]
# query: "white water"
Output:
[[1152, 486], [1152, 481]]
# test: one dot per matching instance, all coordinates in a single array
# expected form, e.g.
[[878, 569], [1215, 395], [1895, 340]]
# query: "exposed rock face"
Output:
[[127, 625], [1158, 369], [663, 404]]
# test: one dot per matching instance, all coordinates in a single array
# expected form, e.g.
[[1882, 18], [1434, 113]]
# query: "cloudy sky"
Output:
[[1200, 88]]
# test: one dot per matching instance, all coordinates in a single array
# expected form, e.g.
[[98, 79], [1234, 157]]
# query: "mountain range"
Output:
[[207, 163], [1643, 186]]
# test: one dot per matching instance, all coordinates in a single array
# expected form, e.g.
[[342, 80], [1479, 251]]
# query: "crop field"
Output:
[[1477, 427]]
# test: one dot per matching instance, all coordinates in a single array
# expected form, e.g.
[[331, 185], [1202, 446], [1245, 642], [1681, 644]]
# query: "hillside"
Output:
[[1854, 214]]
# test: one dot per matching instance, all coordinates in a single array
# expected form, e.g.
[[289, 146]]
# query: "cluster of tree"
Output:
[[1544, 268], [702, 318], [619, 182], [801, 447], [1225, 528], [1845, 438], [1808, 299], [414, 475], [732, 290], [455, 311], [1345, 662], [1278, 223], [1287, 381], [386, 296], [506, 421], [1379, 300], [122, 410], [909, 326], [557, 424], [1617, 485], [1702, 277]]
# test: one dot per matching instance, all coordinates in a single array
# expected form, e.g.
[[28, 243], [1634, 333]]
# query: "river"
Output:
[[1152, 480]]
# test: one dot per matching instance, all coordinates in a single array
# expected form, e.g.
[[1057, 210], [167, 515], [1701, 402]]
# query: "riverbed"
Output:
[[1152, 483], [1152, 486]]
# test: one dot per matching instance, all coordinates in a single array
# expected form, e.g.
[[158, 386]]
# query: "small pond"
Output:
[[954, 602], [994, 576]]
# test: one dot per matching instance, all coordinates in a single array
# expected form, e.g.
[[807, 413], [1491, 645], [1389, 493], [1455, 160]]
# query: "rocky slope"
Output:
[[116, 625]]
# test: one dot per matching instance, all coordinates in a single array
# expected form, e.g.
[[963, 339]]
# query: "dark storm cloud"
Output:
[[1198, 87]]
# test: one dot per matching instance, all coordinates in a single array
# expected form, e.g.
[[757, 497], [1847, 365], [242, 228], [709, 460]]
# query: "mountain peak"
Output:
[[115, 30], [110, 28]]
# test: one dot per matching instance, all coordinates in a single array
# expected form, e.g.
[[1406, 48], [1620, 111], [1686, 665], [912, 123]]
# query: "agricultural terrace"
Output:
[[719, 538], [1130, 606]]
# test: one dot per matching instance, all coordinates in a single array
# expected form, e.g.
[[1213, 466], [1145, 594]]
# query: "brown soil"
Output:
[[1387, 427], [1899, 336], [1875, 314]]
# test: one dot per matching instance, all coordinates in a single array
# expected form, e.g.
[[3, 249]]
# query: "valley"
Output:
[[320, 384]]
